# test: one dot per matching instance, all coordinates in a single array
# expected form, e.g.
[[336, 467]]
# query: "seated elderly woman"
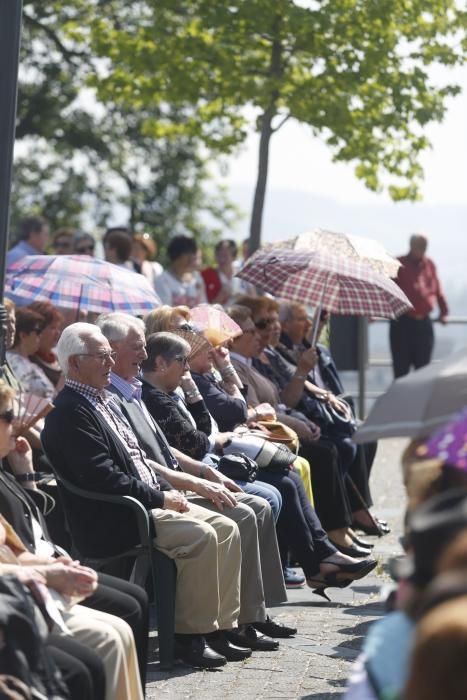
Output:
[[106, 634], [298, 526], [45, 357], [29, 326]]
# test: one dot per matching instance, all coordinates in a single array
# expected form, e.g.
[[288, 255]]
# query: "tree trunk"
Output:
[[275, 70], [261, 180]]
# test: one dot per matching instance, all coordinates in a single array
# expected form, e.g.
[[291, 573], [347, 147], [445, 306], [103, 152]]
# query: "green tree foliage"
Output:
[[355, 71], [78, 160]]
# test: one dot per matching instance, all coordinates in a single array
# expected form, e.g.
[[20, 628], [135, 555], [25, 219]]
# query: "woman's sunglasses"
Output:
[[8, 416], [262, 324], [85, 249]]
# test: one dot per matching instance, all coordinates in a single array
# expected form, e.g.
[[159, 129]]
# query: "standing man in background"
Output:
[[411, 335], [33, 235]]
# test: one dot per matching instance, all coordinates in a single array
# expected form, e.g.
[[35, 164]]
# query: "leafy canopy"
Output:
[[355, 71]]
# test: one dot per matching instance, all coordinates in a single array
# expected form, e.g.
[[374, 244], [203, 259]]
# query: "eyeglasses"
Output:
[[263, 323], [85, 249], [8, 416], [101, 356], [183, 359]]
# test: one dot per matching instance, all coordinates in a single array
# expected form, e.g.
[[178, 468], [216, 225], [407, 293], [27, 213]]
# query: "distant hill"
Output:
[[288, 213]]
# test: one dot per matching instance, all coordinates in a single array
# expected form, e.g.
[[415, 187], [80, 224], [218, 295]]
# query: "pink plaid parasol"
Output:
[[79, 282], [339, 285], [214, 323]]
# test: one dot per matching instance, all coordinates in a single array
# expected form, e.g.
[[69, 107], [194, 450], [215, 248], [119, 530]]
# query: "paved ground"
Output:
[[315, 664]]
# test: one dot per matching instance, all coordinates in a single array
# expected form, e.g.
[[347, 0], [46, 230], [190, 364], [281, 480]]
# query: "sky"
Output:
[[302, 172]]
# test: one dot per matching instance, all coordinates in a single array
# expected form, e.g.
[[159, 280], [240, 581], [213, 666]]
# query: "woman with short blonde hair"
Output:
[[166, 318]]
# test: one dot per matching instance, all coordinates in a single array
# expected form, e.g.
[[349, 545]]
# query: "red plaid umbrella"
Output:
[[339, 285]]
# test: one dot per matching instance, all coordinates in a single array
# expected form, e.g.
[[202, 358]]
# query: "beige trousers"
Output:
[[262, 581], [112, 640], [206, 549]]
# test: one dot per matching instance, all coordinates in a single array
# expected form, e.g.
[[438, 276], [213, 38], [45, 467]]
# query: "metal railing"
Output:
[[362, 394]]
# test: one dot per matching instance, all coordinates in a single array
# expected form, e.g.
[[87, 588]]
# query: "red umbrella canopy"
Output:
[[335, 283]]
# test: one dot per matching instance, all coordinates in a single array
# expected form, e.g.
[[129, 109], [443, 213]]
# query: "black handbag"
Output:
[[340, 424], [238, 467]]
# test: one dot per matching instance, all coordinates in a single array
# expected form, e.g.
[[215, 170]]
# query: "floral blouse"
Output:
[[31, 376]]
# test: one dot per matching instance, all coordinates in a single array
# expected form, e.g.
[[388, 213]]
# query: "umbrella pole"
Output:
[[79, 303]]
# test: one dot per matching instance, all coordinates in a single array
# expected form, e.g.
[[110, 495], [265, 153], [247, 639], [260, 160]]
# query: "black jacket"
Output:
[[83, 449]]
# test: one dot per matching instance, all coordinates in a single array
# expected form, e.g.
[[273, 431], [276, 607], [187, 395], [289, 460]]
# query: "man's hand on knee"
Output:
[[174, 500]]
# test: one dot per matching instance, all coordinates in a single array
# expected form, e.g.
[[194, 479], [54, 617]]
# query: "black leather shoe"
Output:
[[274, 629], [379, 529], [193, 650], [248, 636], [219, 642], [361, 543], [353, 551]]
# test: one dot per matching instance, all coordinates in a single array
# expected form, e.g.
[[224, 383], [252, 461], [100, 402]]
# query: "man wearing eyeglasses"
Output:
[[91, 444]]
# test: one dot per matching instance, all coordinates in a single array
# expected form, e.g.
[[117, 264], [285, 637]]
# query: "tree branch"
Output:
[[68, 54], [281, 123]]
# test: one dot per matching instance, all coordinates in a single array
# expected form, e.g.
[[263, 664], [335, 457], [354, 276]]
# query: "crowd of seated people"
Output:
[[136, 413]]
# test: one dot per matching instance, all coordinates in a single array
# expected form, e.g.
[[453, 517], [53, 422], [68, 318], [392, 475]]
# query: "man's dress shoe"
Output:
[[248, 636], [194, 650], [219, 642], [274, 629]]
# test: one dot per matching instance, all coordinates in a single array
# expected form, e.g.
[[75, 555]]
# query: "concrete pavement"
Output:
[[316, 663]]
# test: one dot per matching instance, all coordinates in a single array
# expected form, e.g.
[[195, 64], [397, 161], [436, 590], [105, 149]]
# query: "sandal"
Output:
[[342, 577], [320, 582]]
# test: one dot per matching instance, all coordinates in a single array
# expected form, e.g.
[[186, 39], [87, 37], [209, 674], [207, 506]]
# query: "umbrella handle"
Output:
[[313, 334]]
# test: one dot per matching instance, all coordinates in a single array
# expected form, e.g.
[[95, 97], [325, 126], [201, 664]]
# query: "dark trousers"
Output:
[[329, 491], [298, 527], [359, 474], [130, 602], [412, 342], [81, 668]]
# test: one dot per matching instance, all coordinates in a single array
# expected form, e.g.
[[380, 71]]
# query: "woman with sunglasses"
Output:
[[84, 244], [29, 326]]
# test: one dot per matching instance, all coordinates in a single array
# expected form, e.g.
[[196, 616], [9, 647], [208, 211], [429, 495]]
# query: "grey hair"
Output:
[[73, 341], [116, 326], [286, 309], [165, 345]]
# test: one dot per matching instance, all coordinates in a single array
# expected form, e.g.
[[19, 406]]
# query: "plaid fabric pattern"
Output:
[[104, 403], [79, 282], [339, 285]]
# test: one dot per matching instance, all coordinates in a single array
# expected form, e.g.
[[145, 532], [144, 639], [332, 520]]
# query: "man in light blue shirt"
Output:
[[32, 239]]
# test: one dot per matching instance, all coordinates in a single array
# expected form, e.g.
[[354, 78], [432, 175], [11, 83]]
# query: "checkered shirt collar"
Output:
[[93, 395]]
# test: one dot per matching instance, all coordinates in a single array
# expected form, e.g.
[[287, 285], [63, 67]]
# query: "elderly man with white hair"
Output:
[[91, 444]]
